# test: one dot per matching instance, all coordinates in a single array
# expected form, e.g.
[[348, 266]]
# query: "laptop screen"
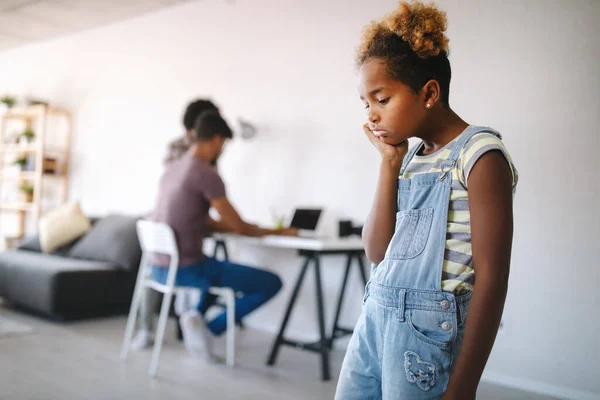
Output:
[[306, 219]]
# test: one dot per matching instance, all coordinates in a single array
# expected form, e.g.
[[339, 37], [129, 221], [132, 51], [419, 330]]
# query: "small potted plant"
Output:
[[278, 219], [8, 101], [28, 135], [27, 189], [21, 161]]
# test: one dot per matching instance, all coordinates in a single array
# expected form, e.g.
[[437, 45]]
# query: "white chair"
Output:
[[159, 238]]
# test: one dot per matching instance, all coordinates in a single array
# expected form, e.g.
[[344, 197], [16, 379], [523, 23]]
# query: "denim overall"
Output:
[[410, 332]]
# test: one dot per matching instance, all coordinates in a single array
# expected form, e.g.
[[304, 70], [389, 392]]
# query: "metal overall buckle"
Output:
[[445, 171]]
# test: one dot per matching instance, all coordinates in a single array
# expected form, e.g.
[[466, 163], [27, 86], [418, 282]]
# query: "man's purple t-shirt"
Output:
[[184, 194]]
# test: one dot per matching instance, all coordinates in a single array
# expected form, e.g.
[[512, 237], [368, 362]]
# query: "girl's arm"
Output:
[[490, 204], [381, 222]]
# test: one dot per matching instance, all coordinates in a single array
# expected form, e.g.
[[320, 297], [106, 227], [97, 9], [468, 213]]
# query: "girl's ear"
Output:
[[431, 94]]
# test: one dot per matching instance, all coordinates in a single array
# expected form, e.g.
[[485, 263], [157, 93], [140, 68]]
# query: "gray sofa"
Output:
[[94, 275]]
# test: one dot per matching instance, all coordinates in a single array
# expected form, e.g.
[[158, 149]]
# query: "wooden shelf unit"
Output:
[[37, 118], [29, 175]]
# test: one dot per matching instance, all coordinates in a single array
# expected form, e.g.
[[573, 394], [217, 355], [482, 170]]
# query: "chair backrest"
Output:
[[157, 237]]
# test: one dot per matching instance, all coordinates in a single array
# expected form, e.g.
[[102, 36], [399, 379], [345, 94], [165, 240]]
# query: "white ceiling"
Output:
[[26, 21]]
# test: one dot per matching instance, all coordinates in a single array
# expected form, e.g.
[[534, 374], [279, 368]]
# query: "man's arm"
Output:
[[490, 205], [215, 226], [232, 222]]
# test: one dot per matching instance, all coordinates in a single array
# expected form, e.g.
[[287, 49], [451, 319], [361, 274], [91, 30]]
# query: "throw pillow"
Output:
[[61, 226]]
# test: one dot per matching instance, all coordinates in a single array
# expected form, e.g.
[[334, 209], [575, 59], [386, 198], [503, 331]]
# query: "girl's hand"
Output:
[[391, 154]]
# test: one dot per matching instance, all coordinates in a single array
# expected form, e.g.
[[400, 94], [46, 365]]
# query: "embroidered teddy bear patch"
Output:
[[420, 372]]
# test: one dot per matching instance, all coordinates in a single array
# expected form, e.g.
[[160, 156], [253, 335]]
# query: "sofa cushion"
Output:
[[61, 226], [56, 285], [112, 239], [32, 243]]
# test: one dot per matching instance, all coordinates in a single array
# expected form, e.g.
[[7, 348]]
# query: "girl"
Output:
[[440, 236]]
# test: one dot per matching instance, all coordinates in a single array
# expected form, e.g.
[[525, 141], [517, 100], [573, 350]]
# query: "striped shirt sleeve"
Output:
[[476, 147]]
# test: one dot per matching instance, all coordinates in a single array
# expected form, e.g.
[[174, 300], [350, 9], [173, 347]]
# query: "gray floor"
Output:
[[81, 361]]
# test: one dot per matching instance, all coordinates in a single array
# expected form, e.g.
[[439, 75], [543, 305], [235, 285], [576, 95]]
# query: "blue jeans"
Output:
[[257, 286]]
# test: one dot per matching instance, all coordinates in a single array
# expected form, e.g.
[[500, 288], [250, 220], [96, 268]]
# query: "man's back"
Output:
[[184, 194]]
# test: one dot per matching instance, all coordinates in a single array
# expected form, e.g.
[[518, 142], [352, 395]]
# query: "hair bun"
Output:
[[421, 26]]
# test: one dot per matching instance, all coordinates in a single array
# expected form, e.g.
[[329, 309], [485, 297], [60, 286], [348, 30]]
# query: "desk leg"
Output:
[[338, 310], [361, 266], [279, 340], [221, 244], [323, 347], [337, 331]]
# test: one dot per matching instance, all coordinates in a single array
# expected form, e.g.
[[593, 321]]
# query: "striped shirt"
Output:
[[458, 270]]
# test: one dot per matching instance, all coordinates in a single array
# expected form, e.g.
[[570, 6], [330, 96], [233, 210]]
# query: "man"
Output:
[[188, 188], [180, 146], [176, 149]]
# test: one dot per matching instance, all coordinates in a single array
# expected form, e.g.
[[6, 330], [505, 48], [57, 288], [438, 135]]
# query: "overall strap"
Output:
[[411, 153], [451, 162], [464, 138]]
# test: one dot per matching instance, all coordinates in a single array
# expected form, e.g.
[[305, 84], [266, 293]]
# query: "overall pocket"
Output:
[[433, 327], [412, 232]]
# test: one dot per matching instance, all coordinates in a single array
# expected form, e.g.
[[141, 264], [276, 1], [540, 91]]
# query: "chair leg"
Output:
[[231, 329], [179, 331], [160, 332], [133, 310]]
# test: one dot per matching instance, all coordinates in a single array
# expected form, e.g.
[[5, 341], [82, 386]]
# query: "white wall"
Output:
[[528, 69]]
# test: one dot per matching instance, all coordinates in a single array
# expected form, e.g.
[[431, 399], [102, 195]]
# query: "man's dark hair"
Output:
[[209, 124], [194, 109]]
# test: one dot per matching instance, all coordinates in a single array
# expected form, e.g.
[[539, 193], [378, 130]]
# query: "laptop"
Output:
[[306, 220]]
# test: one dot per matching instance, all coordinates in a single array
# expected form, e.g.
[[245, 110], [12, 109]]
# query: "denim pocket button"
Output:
[[447, 326], [445, 304]]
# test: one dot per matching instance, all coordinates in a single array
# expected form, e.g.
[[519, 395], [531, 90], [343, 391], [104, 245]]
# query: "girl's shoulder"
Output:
[[478, 145]]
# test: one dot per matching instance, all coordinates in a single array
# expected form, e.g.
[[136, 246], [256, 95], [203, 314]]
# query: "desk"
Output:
[[311, 249]]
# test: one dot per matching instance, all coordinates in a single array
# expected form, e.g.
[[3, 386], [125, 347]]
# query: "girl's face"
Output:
[[394, 111]]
